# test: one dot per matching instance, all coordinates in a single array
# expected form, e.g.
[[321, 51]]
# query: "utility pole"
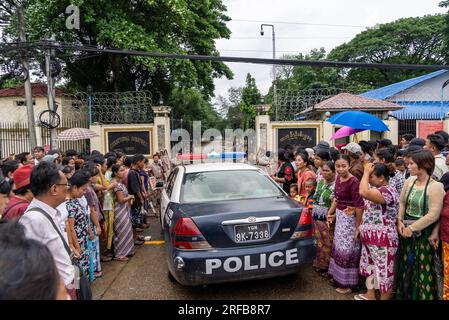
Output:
[[49, 53], [27, 84], [273, 37]]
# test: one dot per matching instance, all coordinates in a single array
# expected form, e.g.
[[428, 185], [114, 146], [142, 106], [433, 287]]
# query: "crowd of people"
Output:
[[77, 211], [380, 213]]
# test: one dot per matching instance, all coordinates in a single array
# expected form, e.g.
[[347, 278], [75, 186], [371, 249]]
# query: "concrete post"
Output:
[[393, 134], [263, 127], [96, 143], [162, 127]]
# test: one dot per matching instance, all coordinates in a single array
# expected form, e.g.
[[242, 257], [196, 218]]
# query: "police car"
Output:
[[227, 222]]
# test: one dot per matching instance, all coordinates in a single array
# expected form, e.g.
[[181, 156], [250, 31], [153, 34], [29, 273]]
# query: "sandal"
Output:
[[360, 297], [98, 274], [105, 259], [121, 258], [343, 290], [139, 242]]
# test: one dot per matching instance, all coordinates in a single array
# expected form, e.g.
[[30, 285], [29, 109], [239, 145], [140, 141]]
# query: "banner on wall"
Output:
[[426, 127]]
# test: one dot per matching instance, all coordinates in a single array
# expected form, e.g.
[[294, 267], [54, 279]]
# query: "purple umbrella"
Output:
[[345, 132]]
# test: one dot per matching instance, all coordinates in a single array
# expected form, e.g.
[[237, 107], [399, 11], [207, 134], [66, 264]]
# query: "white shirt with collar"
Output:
[[440, 166], [38, 227]]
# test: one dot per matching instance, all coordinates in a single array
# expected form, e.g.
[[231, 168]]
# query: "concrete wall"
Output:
[[324, 131], [11, 113]]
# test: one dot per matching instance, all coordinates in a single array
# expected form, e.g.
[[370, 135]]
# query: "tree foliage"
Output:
[[405, 41], [169, 26]]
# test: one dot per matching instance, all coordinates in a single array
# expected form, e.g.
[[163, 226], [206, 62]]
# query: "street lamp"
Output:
[[274, 57]]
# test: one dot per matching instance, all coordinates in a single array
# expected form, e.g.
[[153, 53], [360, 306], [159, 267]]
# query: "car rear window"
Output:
[[227, 185]]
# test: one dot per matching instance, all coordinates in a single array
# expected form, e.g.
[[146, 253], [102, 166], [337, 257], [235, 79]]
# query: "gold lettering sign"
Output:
[[131, 142], [295, 135], [139, 140], [119, 140]]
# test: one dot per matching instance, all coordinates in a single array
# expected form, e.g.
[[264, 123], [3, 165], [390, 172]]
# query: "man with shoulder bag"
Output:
[[42, 221]]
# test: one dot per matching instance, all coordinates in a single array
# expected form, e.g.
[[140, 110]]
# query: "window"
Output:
[[171, 182], [227, 185], [23, 103]]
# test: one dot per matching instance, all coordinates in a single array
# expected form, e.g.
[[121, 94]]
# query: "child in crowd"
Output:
[[400, 166], [294, 192], [310, 186]]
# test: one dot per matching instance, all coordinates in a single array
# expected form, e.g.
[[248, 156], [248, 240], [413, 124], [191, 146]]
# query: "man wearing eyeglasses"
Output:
[[49, 186]]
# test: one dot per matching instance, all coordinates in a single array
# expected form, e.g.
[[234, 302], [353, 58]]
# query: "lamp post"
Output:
[[273, 36], [89, 91]]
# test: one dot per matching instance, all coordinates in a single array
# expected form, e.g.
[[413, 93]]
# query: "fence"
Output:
[[80, 145], [291, 105], [14, 138]]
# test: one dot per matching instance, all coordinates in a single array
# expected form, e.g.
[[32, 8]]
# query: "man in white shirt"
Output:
[[435, 143], [49, 186]]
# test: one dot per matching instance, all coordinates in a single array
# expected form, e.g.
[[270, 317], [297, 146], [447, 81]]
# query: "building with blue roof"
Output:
[[422, 96]]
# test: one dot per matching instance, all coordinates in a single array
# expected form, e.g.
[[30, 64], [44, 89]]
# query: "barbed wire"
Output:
[[110, 107]]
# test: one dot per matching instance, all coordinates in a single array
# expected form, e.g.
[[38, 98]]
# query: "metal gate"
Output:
[[407, 126]]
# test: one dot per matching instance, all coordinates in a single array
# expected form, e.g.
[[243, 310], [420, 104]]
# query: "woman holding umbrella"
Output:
[[420, 206]]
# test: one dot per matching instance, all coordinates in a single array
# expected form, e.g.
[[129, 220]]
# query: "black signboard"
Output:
[[297, 137], [131, 142]]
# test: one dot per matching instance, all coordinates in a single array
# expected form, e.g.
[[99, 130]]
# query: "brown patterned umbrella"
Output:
[[75, 134]]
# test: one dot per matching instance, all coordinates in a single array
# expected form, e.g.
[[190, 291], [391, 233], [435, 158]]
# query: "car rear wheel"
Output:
[[170, 277]]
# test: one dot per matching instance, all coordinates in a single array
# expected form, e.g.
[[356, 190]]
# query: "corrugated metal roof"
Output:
[[425, 110], [348, 101], [395, 88]]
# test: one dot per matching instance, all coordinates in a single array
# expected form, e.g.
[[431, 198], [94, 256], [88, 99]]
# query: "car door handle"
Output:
[[250, 220]]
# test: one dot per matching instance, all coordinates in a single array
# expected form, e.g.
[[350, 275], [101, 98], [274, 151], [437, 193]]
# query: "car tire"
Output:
[[170, 277]]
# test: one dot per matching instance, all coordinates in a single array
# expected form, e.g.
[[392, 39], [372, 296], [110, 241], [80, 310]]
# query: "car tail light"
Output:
[[304, 229], [188, 236]]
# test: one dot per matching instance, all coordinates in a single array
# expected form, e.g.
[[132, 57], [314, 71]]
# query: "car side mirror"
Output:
[[160, 185]]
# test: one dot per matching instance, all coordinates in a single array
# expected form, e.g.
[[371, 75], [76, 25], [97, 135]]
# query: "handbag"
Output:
[[84, 292]]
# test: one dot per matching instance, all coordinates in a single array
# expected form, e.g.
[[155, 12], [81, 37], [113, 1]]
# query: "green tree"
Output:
[[405, 41], [169, 26], [250, 97], [445, 4], [189, 105]]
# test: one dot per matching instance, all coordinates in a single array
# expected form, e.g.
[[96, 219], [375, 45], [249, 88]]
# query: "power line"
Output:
[[301, 23], [322, 64], [242, 50], [277, 38]]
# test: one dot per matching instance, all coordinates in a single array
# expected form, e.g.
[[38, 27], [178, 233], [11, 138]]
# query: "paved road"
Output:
[[144, 277]]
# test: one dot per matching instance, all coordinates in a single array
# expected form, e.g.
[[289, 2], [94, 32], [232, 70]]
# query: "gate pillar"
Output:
[[263, 128], [162, 126]]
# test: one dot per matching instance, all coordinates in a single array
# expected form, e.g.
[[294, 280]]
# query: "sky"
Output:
[[291, 39]]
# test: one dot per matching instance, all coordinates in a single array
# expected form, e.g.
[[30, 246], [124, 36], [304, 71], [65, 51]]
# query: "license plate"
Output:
[[251, 232]]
